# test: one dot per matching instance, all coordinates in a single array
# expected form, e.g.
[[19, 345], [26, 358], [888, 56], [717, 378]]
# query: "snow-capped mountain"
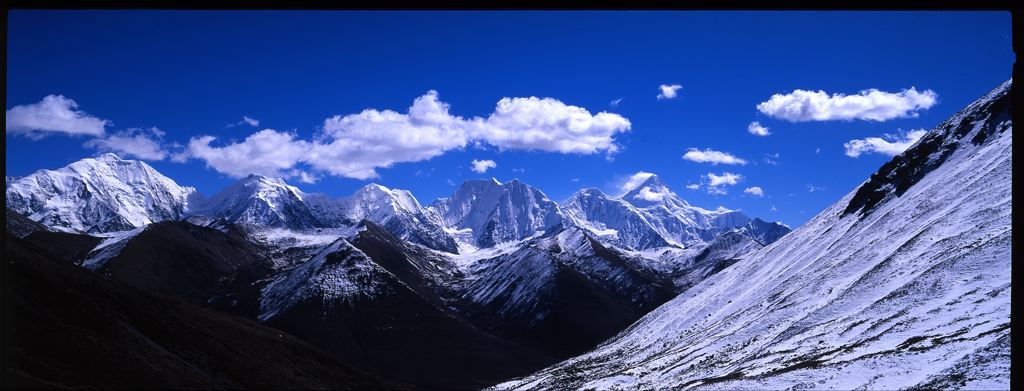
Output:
[[257, 199], [903, 283], [361, 310], [100, 194], [490, 212], [652, 216], [558, 294], [108, 194], [397, 210]]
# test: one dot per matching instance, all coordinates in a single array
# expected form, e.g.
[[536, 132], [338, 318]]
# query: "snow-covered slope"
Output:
[[494, 212], [652, 216], [100, 194], [904, 282]]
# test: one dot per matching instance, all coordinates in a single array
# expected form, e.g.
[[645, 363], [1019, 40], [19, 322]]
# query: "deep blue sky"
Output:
[[191, 74]]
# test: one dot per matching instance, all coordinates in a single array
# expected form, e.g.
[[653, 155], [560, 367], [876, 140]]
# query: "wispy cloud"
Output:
[[633, 181], [144, 144], [356, 145], [481, 166], [755, 128], [246, 120], [615, 103], [54, 114], [668, 91], [870, 105], [712, 156], [889, 144], [811, 188]]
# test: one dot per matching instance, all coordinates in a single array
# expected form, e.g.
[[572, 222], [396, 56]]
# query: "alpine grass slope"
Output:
[[904, 283]]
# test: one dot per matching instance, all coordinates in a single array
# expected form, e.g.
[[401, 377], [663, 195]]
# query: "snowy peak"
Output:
[[497, 212], [651, 216], [100, 194], [261, 200], [652, 191]]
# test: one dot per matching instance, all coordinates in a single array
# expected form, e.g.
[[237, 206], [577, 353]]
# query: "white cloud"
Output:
[[870, 105], [615, 103], [724, 179], [756, 129], [54, 113], [713, 157], [481, 166], [769, 156], [266, 152], [548, 125], [754, 191], [356, 145], [694, 186], [139, 143], [651, 195], [811, 188], [890, 145], [715, 182], [634, 181], [668, 91]]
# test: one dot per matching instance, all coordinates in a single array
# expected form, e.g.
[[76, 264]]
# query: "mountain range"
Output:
[[904, 282], [380, 282]]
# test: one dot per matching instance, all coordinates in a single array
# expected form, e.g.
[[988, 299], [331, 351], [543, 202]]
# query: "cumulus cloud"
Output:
[[266, 152], [890, 145], [870, 105], [724, 179], [481, 166], [711, 156], [140, 143], [714, 183], [668, 91], [54, 114], [754, 191], [755, 128], [356, 145]]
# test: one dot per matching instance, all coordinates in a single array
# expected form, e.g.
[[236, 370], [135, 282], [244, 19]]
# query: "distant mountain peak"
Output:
[[653, 191]]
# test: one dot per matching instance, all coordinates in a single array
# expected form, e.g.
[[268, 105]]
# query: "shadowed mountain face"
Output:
[[356, 308], [69, 327], [186, 261]]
